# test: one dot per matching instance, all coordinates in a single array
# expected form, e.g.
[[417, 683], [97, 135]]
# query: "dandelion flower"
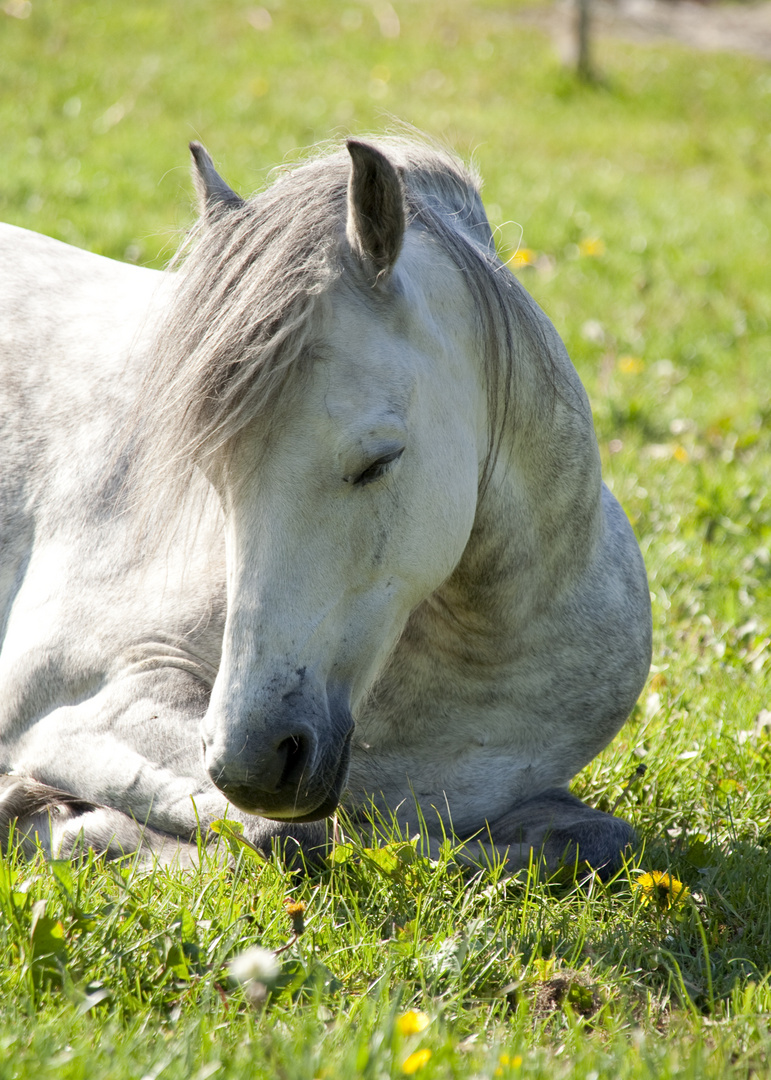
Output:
[[412, 1022], [416, 1061], [661, 889], [505, 1060], [630, 365], [522, 257], [295, 909], [254, 964], [592, 247]]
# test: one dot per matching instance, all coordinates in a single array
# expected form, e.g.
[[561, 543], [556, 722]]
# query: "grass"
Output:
[[642, 217]]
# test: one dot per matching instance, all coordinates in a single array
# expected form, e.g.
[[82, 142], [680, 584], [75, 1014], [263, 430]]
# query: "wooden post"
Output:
[[584, 68]]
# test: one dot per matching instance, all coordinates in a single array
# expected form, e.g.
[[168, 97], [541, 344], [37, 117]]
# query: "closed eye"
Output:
[[376, 470]]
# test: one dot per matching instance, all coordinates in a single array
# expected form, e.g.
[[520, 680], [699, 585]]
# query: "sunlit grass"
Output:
[[638, 214]]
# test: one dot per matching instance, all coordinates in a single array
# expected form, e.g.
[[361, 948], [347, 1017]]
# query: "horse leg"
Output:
[[298, 844], [561, 830], [118, 772], [122, 772], [37, 816]]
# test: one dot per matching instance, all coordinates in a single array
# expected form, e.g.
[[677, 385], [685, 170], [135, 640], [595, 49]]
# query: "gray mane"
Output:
[[246, 310]]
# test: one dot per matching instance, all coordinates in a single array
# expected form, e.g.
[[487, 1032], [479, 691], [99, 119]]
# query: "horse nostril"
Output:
[[295, 749]]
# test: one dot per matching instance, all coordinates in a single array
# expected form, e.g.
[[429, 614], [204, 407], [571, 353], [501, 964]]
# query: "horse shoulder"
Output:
[[75, 332]]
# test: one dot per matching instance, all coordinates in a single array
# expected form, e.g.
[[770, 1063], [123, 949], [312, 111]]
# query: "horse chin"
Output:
[[250, 802], [326, 808]]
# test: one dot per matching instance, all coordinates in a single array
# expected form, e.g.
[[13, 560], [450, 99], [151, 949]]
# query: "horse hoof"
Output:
[[563, 831]]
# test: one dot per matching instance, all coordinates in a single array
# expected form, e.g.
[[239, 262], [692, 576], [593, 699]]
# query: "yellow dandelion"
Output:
[[259, 86], [680, 454], [416, 1061], [412, 1022], [592, 247], [523, 257], [661, 889], [630, 365], [507, 1062], [295, 909]]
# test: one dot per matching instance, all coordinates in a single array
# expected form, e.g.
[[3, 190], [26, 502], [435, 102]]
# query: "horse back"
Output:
[[65, 314], [73, 328]]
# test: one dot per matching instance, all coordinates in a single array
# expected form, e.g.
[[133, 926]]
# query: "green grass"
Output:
[[645, 204]]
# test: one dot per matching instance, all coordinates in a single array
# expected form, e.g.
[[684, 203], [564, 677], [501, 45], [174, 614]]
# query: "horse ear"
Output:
[[376, 217], [213, 193]]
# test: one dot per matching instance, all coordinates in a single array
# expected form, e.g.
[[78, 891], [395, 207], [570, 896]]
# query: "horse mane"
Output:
[[250, 293]]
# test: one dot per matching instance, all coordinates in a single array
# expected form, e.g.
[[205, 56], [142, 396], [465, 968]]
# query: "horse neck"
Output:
[[537, 522]]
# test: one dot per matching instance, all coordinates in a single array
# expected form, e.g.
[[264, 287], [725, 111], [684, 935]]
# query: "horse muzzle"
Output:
[[290, 763]]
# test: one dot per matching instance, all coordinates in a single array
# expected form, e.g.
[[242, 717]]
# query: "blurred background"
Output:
[[606, 192]]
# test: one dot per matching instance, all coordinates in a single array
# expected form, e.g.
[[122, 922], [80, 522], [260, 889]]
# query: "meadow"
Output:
[[637, 211]]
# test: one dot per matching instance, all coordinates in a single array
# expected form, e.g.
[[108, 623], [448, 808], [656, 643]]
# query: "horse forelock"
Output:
[[248, 304]]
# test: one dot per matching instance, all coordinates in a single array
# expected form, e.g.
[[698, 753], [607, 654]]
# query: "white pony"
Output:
[[317, 517]]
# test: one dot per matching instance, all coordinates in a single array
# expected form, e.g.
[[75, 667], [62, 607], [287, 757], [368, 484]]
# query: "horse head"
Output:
[[348, 502]]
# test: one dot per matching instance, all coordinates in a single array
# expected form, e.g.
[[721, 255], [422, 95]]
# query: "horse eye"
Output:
[[377, 468]]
